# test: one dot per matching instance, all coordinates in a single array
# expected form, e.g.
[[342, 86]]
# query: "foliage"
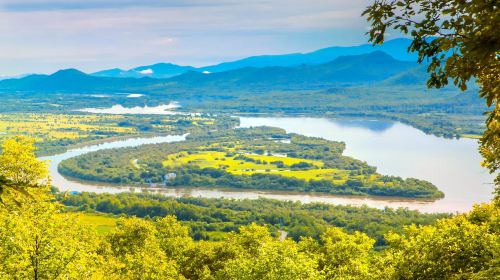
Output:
[[261, 257], [464, 247], [467, 47], [212, 219], [133, 251], [55, 133], [345, 256], [38, 242], [235, 159], [22, 176]]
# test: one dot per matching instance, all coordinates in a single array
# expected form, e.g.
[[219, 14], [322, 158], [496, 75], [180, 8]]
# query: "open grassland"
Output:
[[51, 127], [56, 132], [231, 163], [102, 223], [242, 163]]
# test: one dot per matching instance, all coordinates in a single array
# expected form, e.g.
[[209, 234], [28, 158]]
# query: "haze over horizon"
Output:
[[43, 36]]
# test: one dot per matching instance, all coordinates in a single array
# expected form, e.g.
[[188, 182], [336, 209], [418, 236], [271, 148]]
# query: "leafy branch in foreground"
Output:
[[22, 175], [460, 41]]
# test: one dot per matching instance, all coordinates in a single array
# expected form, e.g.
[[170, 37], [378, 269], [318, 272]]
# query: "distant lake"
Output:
[[394, 148], [166, 109]]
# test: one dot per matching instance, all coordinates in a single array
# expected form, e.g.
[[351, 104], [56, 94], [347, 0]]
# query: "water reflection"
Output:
[[372, 125], [453, 165]]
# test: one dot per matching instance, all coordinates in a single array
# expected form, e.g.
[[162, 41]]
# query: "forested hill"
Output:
[[396, 47], [71, 80], [357, 69], [159, 71]]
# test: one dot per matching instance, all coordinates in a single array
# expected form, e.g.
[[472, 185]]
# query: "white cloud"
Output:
[[135, 95], [166, 41], [146, 72]]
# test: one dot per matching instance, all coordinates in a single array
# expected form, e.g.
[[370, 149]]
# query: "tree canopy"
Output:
[[460, 41], [40, 239], [22, 175]]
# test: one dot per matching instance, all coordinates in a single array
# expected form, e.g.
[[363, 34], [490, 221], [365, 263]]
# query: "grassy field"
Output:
[[273, 164], [60, 126], [103, 224], [55, 132]]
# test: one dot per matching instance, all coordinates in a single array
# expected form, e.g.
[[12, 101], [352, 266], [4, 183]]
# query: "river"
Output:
[[453, 165]]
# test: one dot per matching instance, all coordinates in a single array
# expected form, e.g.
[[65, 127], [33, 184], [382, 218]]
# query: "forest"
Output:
[[245, 158], [52, 241], [214, 219], [80, 229]]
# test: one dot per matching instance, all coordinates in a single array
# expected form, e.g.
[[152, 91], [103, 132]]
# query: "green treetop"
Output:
[[460, 41]]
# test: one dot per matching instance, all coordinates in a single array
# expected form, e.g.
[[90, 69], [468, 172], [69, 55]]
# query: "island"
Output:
[[264, 158]]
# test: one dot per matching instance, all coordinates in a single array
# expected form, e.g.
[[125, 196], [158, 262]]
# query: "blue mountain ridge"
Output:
[[374, 67], [396, 47]]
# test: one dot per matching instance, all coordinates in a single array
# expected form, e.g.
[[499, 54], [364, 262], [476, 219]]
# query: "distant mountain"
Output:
[[158, 71], [70, 80], [398, 48], [114, 73], [413, 76], [375, 67], [357, 69], [14, 77]]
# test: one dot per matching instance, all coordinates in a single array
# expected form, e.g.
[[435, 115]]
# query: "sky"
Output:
[[42, 36]]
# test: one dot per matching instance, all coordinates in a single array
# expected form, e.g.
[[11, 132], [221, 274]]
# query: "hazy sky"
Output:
[[45, 35]]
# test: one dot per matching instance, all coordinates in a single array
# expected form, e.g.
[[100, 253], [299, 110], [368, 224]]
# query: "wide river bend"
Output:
[[453, 165]]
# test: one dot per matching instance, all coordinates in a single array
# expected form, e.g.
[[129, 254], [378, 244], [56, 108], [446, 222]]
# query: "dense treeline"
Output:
[[211, 218], [357, 177], [40, 240]]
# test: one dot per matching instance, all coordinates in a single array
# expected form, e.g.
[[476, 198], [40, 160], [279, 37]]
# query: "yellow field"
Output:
[[44, 127], [53, 127], [471, 136], [205, 159], [102, 224]]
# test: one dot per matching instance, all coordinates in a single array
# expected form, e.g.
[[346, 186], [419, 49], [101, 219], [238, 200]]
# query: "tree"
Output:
[[263, 257], [174, 239], [132, 251], [22, 175], [461, 41], [345, 256], [37, 241], [463, 247]]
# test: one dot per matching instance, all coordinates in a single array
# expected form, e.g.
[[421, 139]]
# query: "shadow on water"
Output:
[[372, 125]]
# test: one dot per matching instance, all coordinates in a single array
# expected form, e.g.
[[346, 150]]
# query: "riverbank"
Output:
[[263, 158], [453, 165]]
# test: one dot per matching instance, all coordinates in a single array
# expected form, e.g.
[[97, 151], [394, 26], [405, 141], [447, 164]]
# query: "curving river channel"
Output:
[[396, 149]]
